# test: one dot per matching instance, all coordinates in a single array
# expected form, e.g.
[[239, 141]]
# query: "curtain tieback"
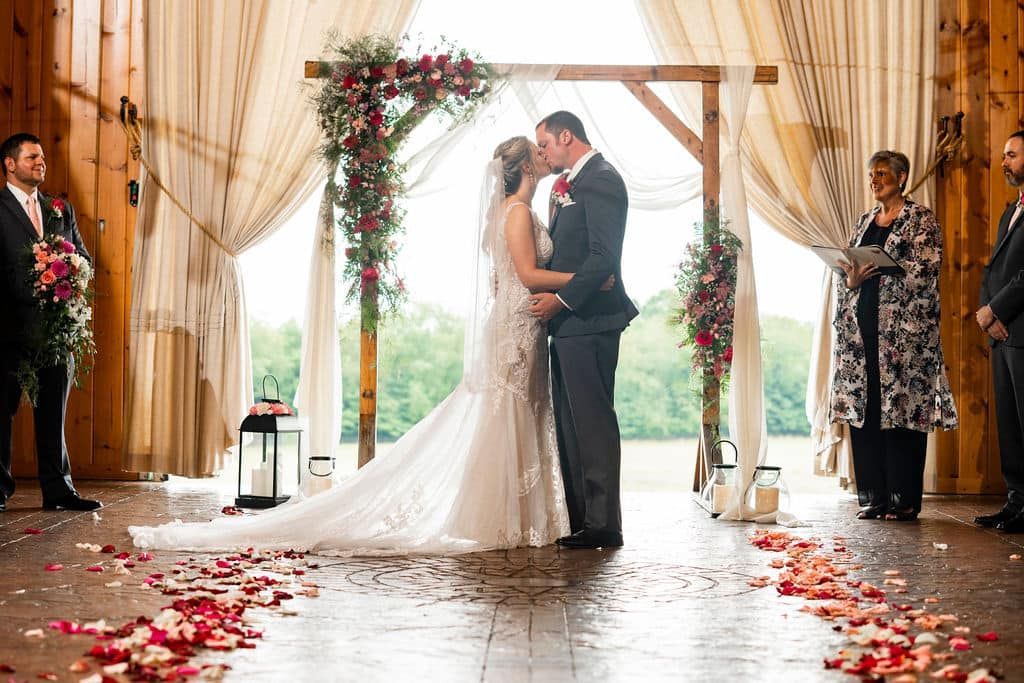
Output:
[[133, 129]]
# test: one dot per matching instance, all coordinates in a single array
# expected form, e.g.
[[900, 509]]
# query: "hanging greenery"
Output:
[[706, 282], [369, 99]]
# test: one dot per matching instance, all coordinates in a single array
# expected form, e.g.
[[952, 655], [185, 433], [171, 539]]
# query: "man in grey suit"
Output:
[[1001, 316], [585, 323]]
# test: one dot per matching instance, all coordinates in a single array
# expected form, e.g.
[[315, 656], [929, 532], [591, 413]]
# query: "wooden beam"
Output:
[[612, 72], [667, 117]]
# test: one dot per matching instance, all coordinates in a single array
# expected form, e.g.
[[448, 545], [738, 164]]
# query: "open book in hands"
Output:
[[857, 255]]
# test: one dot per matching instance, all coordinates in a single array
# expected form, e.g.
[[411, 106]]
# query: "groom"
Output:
[[587, 228]]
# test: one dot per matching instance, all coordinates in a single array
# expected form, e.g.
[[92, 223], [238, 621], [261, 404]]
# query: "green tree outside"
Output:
[[420, 362]]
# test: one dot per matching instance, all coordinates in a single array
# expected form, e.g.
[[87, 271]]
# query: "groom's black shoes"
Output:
[[72, 501], [990, 521], [591, 539]]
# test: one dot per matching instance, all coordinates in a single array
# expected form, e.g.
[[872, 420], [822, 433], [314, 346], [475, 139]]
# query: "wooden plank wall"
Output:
[[979, 72], [62, 74]]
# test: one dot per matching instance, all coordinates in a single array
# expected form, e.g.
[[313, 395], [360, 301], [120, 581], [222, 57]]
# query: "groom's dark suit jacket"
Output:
[[587, 235], [18, 309], [1002, 286]]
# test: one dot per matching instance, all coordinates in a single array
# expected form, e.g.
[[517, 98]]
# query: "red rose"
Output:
[[703, 339], [703, 295], [349, 82], [351, 142], [466, 66], [376, 71], [390, 92], [375, 118], [402, 67], [367, 223], [370, 274], [426, 62], [465, 90], [716, 249], [420, 93], [561, 185], [441, 60], [727, 354], [354, 181], [57, 204]]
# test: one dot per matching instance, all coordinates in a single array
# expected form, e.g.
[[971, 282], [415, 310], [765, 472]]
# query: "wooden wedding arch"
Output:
[[704, 148]]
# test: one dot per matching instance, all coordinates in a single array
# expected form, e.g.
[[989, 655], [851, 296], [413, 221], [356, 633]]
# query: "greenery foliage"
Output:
[[420, 362], [706, 283], [368, 100]]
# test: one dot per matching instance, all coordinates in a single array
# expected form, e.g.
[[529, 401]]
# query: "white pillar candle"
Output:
[[262, 481], [720, 494], [766, 499], [317, 485]]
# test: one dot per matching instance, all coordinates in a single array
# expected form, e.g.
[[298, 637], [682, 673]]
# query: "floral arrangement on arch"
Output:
[[706, 282], [60, 278], [369, 100]]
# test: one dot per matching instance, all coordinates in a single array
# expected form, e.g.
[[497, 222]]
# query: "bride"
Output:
[[481, 470]]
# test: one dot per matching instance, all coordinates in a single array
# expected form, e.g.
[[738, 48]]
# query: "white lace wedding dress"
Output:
[[479, 472]]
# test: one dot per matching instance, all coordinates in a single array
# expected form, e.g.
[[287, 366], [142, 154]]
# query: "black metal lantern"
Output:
[[270, 445]]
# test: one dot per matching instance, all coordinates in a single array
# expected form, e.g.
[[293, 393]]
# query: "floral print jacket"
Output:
[[915, 390]]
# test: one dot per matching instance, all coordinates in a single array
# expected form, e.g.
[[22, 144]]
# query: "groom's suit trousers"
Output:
[[583, 391]]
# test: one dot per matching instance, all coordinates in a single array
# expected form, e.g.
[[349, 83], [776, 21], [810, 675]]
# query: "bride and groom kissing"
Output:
[[522, 452]]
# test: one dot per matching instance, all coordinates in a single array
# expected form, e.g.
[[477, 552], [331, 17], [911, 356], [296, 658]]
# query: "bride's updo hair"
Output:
[[514, 154]]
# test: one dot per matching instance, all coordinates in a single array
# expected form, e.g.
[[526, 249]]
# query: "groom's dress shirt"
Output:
[[22, 198], [573, 172]]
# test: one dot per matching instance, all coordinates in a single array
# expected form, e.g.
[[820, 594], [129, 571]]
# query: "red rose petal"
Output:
[[6, 669], [987, 637], [95, 568], [53, 567], [33, 531], [144, 557], [108, 549]]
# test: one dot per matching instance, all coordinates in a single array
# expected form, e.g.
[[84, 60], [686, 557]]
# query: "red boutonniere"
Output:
[[560, 192], [56, 209]]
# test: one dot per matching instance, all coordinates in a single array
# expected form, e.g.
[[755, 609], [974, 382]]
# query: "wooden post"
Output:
[[367, 381], [710, 430]]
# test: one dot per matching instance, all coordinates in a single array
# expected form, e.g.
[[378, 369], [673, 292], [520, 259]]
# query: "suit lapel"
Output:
[[572, 188], [17, 212], [1004, 234]]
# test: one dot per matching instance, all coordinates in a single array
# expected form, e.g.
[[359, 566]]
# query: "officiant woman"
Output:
[[890, 382]]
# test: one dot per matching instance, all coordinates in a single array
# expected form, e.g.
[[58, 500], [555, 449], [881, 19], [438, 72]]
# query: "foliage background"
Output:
[[420, 357]]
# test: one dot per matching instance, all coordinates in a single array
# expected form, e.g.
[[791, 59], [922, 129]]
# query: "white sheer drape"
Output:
[[232, 138], [854, 77]]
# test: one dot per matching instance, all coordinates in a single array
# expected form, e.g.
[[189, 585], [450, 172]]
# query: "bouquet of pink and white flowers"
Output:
[[271, 407], [707, 290], [60, 278]]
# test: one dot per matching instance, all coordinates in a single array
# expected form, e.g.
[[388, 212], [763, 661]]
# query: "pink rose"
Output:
[[68, 247], [279, 409], [59, 268]]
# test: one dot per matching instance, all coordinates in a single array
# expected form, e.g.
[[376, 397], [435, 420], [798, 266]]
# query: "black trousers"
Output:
[[888, 463], [52, 463], [589, 449], [1008, 385]]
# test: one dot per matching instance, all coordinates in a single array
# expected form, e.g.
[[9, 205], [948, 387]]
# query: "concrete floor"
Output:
[[674, 604]]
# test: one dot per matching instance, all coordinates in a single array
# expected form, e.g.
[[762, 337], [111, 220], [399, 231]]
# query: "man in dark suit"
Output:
[[1002, 303], [25, 216], [585, 323]]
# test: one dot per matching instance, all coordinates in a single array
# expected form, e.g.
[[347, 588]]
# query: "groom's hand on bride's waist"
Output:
[[544, 306]]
